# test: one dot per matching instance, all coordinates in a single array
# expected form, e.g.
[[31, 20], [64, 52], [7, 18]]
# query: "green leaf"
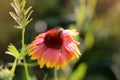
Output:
[[17, 4], [27, 10], [79, 72], [24, 51], [13, 51], [27, 22], [22, 4], [15, 8], [14, 16], [29, 14]]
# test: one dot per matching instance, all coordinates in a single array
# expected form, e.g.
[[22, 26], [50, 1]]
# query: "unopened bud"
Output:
[[4, 73]]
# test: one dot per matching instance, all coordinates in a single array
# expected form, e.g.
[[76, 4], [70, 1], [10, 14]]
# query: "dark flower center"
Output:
[[53, 39]]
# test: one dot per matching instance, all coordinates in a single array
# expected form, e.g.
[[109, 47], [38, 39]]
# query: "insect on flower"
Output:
[[54, 48]]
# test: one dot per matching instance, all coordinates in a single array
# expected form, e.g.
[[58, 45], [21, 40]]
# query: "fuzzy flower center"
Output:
[[53, 39]]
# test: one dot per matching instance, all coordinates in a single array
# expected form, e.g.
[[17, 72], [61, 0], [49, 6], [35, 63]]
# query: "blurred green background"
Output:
[[98, 24]]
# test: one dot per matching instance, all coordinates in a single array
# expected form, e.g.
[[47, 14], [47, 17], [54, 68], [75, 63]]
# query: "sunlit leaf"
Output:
[[29, 14], [27, 22], [15, 8], [89, 39], [12, 51], [27, 10], [23, 3], [16, 3], [14, 16], [79, 72], [21, 15]]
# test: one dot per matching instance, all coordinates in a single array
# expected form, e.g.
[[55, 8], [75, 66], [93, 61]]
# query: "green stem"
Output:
[[26, 70], [55, 74], [25, 64], [23, 35], [45, 77], [13, 70]]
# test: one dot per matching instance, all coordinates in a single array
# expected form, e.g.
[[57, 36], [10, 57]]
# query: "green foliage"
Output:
[[24, 51], [21, 15], [96, 77], [89, 39], [13, 51], [79, 72]]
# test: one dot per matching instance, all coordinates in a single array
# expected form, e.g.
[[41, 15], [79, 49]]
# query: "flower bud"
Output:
[[4, 73]]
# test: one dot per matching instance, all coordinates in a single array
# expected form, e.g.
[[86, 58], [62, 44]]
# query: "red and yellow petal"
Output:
[[49, 58], [73, 50], [42, 35], [37, 52]]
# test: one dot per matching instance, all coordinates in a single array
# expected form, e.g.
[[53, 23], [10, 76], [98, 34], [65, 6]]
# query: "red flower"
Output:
[[54, 48]]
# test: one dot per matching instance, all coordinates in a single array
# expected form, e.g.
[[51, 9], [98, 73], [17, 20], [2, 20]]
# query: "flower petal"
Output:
[[70, 45], [73, 49], [42, 35], [63, 59], [69, 33], [66, 54], [37, 42], [41, 62], [59, 62], [37, 52], [70, 39], [50, 57]]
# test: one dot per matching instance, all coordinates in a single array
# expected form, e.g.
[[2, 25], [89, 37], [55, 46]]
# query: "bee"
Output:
[[59, 31]]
